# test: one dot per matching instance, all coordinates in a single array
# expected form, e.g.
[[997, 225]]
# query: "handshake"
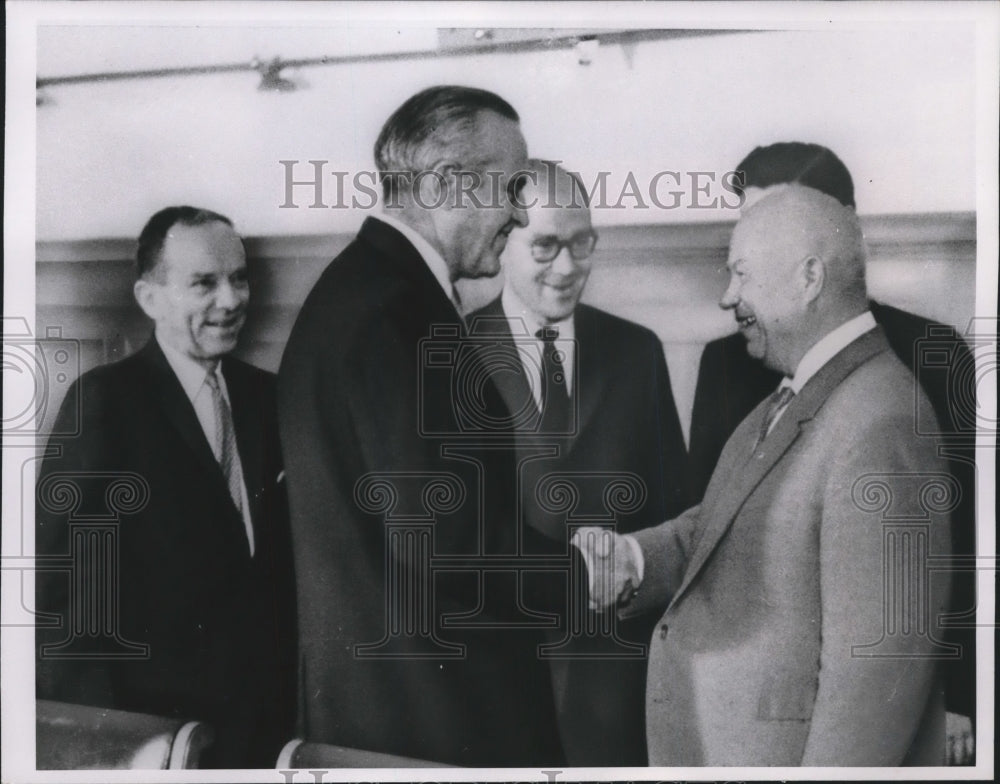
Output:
[[614, 565]]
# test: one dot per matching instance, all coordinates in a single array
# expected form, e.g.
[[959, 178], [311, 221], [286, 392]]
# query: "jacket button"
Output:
[[663, 631]]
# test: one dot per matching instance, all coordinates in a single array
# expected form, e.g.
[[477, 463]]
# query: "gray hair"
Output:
[[427, 125]]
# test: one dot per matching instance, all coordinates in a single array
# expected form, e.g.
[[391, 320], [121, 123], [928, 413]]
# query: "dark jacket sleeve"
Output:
[[671, 457], [84, 681], [944, 366], [730, 384]]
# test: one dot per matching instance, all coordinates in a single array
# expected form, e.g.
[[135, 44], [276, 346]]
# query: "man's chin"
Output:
[[552, 315], [755, 348], [216, 349], [487, 268]]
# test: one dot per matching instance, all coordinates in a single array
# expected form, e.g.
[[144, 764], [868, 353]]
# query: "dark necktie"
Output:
[[227, 452], [776, 402], [456, 300], [555, 392]]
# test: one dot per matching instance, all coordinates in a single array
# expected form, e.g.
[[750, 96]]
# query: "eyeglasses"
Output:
[[580, 246]]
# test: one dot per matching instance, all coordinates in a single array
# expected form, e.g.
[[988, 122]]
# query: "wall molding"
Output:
[[695, 237]]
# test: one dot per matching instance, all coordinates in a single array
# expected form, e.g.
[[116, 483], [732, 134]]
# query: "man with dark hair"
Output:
[[204, 589], [811, 165], [397, 659], [731, 383], [616, 387]]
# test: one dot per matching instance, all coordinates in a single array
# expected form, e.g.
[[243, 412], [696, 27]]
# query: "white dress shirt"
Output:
[[530, 349], [825, 349], [192, 376]]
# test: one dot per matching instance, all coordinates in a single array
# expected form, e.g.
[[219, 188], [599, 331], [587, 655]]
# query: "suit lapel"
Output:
[[176, 406], [592, 368], [397, 252], [718, 514], [509, 378], [247, 421], [178, 411]]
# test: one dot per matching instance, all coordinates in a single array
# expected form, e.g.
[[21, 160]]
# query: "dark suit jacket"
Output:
[[731, 383], [219, 624], [627, 423], [775, 647], [359, 395]]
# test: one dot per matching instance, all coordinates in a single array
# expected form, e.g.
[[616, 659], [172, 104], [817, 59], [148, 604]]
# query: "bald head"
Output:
[[547, 262], [550, 185], [797, 264], [797, 222]]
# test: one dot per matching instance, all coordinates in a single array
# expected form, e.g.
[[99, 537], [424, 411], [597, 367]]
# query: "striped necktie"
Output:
[[226, 451], [776, 402]]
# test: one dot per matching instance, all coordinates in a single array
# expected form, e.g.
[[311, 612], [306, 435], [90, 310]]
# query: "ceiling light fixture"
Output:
[[271, 79], [586, 49]]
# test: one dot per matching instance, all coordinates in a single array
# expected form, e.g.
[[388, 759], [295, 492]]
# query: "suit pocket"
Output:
[[787, 696]]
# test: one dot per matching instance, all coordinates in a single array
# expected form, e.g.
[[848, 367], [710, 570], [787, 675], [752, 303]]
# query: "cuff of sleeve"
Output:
[[585, 555], [637, 556]]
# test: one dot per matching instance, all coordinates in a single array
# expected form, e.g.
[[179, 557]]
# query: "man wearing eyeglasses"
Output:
[[597, 392]]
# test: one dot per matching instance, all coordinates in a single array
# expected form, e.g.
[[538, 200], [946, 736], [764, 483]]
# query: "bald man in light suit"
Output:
[[774, 584]]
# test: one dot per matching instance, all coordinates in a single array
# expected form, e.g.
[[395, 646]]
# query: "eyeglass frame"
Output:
[[592, 235]]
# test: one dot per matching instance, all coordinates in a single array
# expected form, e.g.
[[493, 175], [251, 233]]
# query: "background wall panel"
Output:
[[666, 277]]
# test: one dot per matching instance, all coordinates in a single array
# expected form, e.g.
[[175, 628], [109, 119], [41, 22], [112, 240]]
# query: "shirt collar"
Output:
[[517, 313], [828, 347], [190, 373], [435, 261]]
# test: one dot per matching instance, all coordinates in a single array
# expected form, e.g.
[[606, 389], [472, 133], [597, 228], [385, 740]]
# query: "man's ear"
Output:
[[436, 187], [813, 276], [147, 295]]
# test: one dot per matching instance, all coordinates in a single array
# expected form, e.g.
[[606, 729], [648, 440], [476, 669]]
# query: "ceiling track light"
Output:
[[586, 49], [482, 41], [271, 79]]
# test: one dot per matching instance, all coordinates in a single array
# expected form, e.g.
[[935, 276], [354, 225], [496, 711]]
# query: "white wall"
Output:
[[896, 104]]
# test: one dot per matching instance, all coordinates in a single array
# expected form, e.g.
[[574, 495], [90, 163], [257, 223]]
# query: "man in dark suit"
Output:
[[180, 440], [622, 423], [389, 430], [802, 628], [731, 383]]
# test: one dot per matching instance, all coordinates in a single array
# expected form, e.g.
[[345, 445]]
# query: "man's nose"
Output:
[[563, 263], [730, 297], [228, 296], [518, 213]]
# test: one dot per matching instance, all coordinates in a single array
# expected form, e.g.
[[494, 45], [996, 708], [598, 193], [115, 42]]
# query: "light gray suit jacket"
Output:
[[794, 634]]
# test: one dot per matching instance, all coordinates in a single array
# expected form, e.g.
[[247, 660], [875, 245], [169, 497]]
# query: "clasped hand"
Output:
[[612, 570]]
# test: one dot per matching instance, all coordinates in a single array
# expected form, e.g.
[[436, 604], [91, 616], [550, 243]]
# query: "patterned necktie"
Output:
[[776, 402], [226, 451], [555, 392]]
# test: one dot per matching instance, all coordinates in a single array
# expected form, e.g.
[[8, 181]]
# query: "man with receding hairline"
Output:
[[357, 401], [204, 571], [779, 644], [615, 378]]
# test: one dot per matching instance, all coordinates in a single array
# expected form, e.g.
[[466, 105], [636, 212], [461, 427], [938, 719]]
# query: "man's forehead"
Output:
[[200, 233], [547, 219], [203, 246]]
